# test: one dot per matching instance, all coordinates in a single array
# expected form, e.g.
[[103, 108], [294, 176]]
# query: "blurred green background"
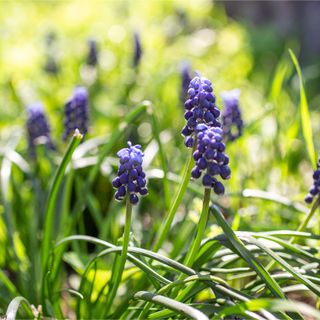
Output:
[[271, 156]]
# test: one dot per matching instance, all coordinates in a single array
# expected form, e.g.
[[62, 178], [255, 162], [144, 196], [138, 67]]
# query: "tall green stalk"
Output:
[[306, 220], [191, 255], [195, 246], [123, 258], [165, 227]]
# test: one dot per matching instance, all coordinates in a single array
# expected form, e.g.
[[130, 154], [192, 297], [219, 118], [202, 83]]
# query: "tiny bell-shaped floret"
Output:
[[76, 112], [232, 122], [131, 179]]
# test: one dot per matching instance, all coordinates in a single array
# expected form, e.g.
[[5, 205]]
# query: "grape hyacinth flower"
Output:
[[51, 65], [130, 180], [200, 108], [137, 49], [92, 57], [38, 126], [185, 81], [210, 158], [315, 189], [232, 123], [76, 112]]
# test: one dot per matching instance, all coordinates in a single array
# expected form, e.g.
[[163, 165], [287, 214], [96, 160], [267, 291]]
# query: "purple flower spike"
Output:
[[232, 123], [185, 81], [38, 126], [315, 189], [76, 112], [137, 49], [130, 179], [210, 159], [92, 58], [200, 108]]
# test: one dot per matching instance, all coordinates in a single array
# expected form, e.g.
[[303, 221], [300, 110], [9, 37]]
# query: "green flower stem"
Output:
[[123, 257], [165, 227], [192, 254], [306, 220]]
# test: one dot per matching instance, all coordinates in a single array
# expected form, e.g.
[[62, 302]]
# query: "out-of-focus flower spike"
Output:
[[185, 81], [76, 112], [232, 122], [137, 49], [93, 54], [38, 127], [51, 65]]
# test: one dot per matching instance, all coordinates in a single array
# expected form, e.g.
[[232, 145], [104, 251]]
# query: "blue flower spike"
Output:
[[315, 188], [131, 179], [76, 112], [185, 81], [137, 49], [232, 122], [200, 108], [210, 159], [92, 57], [38, 127]]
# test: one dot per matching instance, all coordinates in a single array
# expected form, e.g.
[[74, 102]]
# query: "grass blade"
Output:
[[7, 283], [265, 195], [139, 251], [165, 226], [171, 304], [305, 115], [314, 288], [163, 159], [246, 254], [290, 247], [14, 306], [273, 305], [51, 204]]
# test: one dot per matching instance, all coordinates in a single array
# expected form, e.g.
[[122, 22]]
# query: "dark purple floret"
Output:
[[92, 58], [131, 178], [185, 81], [137, 49], [200, 108], [76, 113], [38, 127], [315, 188], [232, 123], [209, 158]]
